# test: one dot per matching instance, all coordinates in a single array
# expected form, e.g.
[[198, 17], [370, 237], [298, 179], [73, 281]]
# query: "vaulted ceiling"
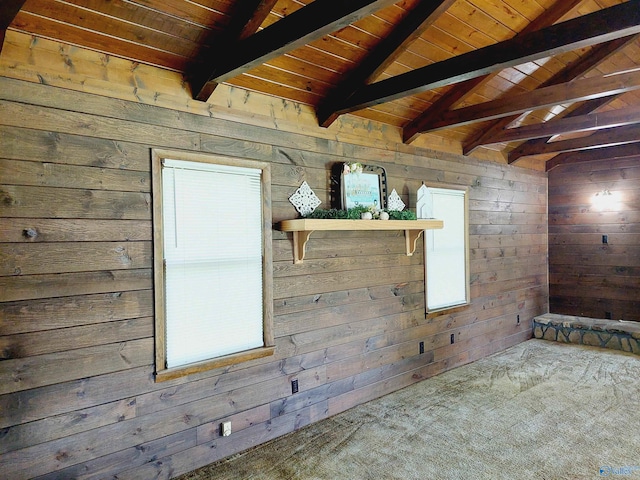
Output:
[[553, 80]]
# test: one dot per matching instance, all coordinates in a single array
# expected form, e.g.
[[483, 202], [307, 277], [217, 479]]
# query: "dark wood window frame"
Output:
[[162, 372]]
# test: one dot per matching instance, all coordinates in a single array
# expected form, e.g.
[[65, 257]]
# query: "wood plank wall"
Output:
[[77, 394], [586, 276]]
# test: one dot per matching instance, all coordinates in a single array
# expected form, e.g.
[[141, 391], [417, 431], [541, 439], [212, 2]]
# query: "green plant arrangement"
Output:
[[401, 215], [355, 213]]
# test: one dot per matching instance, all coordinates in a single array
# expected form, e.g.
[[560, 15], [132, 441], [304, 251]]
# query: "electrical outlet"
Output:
[[518, 320], [294, 386], [421, 348], [225, 429], [453, 338], [605, 238]]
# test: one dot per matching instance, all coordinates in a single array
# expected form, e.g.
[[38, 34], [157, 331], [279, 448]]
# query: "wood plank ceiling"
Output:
[[553, 80]]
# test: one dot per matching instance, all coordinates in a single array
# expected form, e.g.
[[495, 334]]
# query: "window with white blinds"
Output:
[[213, 261], [446, 250]]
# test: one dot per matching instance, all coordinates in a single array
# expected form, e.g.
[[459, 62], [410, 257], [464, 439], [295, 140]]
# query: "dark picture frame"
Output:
[[366, 186]]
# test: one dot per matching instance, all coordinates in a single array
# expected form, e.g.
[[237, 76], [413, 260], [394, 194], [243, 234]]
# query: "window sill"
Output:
[[198, 367]]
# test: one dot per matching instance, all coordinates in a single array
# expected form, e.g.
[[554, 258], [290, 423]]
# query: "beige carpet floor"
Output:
[[539, 410]]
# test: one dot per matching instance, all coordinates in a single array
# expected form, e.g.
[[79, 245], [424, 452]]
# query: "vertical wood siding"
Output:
[[586, 276], [77, 394]]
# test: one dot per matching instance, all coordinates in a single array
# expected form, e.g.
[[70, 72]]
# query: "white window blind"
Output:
[[212, 236], [446, 250]]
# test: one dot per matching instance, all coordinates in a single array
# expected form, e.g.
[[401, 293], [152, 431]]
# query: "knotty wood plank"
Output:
[[320, 301], [532, 267], [293, 323], [47, 174], [95, 22], [51, 341], [36, 404], [338, 281], [520, 250], [204, 14], [590, 29], [341, 334], [102, 42], [595, 307], [26, 287], [56, 147], [127, 459], [211, 431], [46, 258], [377, 359], [495, 265], [27, 201], [488, 206], [613, 170], [59, 313], [506, 229], [18, 115], [32, 372], [52, 428], [326, 265], [578, 239], [589, 228], [32, 230], [348, 246], [184, 21], [491, 288], [596, 290], [506, 218]]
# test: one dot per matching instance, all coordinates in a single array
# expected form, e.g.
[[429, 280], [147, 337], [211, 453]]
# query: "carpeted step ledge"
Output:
[[615, 334]]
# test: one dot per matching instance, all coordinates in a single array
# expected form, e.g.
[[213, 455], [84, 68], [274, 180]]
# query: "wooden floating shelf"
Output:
[[303, 227]]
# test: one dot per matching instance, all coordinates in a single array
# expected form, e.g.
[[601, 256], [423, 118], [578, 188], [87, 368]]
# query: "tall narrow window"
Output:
[[212, 259], [446, 250]]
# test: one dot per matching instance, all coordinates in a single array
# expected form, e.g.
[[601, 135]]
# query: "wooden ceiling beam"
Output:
[[532, 145], [248, 16], [8, 11], [460, 91], [604, 25], [583, 123], [576, 69], [414, 23], [250, 22], [608, 153], [570, 92], [607, 137], [309, 23]]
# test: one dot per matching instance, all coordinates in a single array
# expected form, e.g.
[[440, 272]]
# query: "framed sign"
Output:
[[356, 184]]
